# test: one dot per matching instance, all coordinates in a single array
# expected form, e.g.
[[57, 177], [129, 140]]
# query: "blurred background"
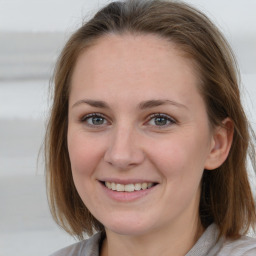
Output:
[[32, 33]]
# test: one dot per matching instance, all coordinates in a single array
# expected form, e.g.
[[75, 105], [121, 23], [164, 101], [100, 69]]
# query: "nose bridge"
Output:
[[124, 150]]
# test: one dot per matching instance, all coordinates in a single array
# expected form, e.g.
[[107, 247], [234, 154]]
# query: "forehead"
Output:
[[135, 63], [129, 45], [137, 43], [134, 48]]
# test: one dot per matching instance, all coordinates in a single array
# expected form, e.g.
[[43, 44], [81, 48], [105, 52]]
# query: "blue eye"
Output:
[[94, 120], [160, 120]]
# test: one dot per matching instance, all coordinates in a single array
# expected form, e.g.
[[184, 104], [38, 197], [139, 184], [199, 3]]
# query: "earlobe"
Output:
[[221, 144]]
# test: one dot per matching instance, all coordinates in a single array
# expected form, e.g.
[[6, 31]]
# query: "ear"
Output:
[[222, 138]]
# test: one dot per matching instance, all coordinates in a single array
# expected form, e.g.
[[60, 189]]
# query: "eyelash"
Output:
[[161, 115], [93, 115], [150, 118]]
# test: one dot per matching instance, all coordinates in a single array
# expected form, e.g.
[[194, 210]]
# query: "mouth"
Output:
[[132, 187]]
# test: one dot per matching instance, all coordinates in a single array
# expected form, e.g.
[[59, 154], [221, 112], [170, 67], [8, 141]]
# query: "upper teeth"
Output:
[[128, 187]]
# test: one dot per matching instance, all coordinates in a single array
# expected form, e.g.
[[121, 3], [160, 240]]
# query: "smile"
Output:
[[128, 187]]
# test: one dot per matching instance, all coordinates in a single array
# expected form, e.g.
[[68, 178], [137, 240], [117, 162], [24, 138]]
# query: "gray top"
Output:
[[205, 246]]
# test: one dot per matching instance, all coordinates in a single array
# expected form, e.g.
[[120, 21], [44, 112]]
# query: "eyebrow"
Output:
[[143, 105], [93, 103], [156, 103]]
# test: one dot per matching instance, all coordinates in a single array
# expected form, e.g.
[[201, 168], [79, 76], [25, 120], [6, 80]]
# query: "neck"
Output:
[[171, 241]]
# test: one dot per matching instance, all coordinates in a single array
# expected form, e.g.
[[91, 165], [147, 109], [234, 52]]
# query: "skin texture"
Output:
[[134, 78]]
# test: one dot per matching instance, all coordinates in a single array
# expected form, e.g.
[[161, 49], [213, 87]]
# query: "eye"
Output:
[[161, 120], [94, 119]]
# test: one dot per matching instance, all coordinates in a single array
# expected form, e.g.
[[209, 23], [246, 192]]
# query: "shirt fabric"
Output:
[[207, 245]]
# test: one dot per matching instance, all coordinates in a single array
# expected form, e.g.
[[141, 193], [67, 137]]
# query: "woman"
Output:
[[147, 140]]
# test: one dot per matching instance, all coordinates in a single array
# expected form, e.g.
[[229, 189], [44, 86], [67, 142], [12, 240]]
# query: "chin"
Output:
[[128, 227], [128, 231]]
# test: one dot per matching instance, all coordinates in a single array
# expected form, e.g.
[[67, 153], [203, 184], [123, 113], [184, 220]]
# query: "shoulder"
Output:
[[244, 246], [210, 245], [88, 247]]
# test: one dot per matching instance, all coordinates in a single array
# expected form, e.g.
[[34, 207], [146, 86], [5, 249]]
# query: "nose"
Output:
[[124, 151]]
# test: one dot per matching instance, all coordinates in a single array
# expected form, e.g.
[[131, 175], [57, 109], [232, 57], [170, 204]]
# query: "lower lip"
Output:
[[127, 196]]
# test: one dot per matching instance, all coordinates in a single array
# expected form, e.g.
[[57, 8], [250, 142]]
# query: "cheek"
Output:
[[181, 157], [85, 153]]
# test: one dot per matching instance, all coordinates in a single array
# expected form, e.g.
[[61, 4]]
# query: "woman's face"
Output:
[[138, 134]]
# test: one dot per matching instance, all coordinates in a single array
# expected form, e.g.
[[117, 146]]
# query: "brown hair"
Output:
[[226, 198]]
